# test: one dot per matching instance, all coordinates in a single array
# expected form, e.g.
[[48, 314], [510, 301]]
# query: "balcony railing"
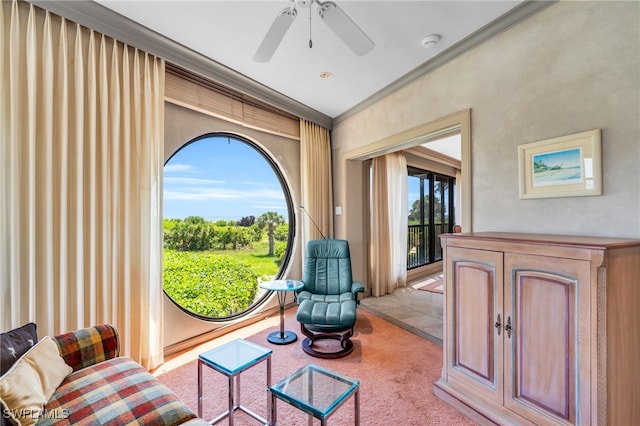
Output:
[[423, 246]]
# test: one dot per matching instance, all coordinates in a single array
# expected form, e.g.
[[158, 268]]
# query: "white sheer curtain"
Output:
[[81, 149], [317, 190], [388, 223]]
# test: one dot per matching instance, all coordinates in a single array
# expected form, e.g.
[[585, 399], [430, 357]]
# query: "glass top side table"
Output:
[[282, 337], [231, 359], [316, 391]]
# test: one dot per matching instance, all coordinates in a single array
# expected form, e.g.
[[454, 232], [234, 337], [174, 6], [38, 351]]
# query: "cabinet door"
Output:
[[547, 303], [474, 303]]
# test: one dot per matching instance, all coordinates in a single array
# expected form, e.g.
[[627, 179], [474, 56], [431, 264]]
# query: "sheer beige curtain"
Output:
[[81, 149], [388, 223], [317, 191]]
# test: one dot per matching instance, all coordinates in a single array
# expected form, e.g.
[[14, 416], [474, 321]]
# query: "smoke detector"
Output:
[[430, 40]]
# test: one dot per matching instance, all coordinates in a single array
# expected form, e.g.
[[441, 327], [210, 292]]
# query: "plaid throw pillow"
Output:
[[88, 346]]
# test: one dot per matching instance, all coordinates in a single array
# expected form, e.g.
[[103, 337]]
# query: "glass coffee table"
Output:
[[316, 391], [231, 359], [283, 336]]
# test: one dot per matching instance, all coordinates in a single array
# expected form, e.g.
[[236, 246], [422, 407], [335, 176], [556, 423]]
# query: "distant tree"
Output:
[[224, 236], [269, 221], [240, 236], [414, 211], [246, 221], [256, 232], [282, 232], [192, 233], [194, 220]]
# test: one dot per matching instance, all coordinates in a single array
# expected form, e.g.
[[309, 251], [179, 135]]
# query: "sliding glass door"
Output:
[[431, 213]]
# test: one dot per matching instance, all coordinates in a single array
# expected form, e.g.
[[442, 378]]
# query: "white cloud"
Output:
[[202, 194], [256, 183], [269, 207], [177, 167], [191, 181]]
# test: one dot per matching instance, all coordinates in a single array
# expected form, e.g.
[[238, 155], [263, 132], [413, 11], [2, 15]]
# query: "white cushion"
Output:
[[30, 382]]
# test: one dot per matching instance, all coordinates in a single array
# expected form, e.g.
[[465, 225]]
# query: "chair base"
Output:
[[343, 335]]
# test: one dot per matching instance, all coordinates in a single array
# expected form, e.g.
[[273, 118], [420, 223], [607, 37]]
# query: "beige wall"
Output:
[[572, 67], [183, 125]]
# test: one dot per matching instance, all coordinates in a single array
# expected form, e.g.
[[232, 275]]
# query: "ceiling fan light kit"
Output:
[[330, 13]]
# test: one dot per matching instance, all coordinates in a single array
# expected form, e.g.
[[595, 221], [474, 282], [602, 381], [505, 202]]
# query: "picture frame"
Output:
[[567, 166]]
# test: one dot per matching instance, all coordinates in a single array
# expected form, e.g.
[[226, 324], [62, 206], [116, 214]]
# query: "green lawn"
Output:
[[261, 263]]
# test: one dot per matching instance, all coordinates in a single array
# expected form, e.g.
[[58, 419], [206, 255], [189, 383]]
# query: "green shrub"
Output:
[[195, 233], [281, 232], [208, 284], [192, 233], [280, 248]]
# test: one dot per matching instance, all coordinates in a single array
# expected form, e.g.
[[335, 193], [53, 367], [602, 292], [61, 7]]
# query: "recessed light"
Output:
[[430, 40], [325, 75]]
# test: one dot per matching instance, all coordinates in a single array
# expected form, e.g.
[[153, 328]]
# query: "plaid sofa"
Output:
[[107, 389]]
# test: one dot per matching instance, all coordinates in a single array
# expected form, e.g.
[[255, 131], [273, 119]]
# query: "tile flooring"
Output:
[[417, 311]]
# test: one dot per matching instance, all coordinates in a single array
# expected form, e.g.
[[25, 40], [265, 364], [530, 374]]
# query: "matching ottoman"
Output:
[[327, 320]]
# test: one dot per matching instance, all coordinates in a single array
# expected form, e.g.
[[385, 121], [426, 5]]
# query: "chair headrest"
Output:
[[328, 249]]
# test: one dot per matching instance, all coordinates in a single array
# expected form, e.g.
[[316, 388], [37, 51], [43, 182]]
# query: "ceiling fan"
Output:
[[329, 13]]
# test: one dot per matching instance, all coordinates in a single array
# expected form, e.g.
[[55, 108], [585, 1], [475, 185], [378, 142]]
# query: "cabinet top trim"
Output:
[[593, 243]]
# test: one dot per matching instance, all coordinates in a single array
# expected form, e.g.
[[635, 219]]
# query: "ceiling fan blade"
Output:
[[345, 28], [275, 34]]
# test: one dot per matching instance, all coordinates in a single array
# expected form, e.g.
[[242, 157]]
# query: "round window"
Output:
[[227, 225]]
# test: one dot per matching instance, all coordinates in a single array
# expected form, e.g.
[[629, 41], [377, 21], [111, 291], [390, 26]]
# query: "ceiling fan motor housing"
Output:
[[304, 3], [334, 17]]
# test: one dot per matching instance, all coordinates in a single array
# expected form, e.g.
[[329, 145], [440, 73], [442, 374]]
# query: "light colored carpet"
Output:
[[396, 370]]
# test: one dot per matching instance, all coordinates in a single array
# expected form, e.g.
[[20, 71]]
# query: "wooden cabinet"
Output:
[[541, 329]]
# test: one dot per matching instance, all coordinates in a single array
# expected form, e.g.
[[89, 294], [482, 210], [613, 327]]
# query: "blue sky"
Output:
[[413, 189], [220, 179], [565, 158]]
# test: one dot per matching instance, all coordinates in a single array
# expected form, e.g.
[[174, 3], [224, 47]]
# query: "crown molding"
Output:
[[515, 15]]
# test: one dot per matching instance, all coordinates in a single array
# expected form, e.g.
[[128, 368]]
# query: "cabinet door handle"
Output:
[[507, 327], [498, 324]]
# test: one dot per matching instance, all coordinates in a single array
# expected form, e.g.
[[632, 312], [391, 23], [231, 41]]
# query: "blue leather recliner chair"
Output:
[[327, 303]]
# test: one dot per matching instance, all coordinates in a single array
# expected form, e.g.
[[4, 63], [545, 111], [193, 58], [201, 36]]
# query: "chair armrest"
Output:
[[88, 346], [357, 287]]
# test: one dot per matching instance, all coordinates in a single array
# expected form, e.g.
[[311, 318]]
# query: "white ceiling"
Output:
[[451, 146], [229, 33]]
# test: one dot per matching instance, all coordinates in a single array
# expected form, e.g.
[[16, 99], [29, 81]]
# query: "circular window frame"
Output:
[[259, 301]]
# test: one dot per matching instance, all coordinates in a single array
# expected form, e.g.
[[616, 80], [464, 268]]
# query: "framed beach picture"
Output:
[[568, 166]]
